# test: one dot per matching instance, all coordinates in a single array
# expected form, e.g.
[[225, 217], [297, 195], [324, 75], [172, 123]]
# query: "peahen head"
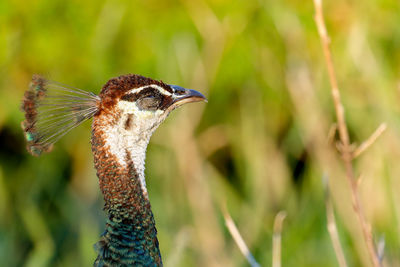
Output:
[[141, 104], [131, 104]]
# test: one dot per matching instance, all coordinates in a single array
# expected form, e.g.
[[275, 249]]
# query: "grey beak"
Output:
[[182, 95]]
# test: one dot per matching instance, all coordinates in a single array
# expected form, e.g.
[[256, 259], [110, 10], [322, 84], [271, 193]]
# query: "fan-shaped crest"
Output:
[[51, 110]]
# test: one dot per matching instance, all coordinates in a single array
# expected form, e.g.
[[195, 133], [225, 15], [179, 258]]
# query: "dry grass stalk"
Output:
[[346, 151], [238, 239], [277, 239], [333, 232], [367, 143]]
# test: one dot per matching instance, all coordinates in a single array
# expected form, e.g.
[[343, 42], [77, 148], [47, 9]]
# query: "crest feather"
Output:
[[53, 109]]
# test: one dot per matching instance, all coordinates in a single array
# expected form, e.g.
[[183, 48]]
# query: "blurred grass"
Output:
[[259, 144]]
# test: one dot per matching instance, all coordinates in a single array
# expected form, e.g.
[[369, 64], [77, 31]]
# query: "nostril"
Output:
[[180, 92]]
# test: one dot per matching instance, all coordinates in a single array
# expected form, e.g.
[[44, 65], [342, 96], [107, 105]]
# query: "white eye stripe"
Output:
[[159, 88]]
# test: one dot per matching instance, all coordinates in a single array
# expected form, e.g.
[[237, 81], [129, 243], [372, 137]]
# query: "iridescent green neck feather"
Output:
[[130, 238]]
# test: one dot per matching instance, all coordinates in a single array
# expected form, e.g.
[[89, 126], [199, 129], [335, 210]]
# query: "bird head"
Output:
[[127, 111], [131, 107], [138, 104]]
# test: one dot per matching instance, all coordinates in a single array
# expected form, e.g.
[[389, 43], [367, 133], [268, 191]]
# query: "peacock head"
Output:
[[137, 105]]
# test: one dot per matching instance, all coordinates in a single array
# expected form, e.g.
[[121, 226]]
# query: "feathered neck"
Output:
[[130, 238]]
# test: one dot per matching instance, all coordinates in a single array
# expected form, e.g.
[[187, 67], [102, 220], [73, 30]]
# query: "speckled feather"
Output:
[[130, 238]]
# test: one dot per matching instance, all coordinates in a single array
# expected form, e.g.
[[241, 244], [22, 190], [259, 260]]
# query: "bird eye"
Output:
[[150, 102]]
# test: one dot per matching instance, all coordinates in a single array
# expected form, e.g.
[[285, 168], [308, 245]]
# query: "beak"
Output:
[[182, 96]]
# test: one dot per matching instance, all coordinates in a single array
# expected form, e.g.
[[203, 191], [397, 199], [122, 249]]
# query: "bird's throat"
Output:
[[130, 237]]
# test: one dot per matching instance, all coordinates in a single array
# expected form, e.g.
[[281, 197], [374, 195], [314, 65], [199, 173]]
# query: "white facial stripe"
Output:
[[162, 90]]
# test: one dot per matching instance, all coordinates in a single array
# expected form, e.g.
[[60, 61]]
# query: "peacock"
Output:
[[125, 114]]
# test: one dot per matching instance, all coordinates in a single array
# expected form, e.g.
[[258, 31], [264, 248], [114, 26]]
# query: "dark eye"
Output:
[[149, 102]]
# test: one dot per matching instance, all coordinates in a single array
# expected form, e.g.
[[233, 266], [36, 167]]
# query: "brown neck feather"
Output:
[[119, 184], [131, 232]]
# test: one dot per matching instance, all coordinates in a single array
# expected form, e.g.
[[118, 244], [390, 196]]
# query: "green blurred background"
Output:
[[259, 145]]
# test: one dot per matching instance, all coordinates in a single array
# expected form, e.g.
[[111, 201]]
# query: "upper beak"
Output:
[[182, 96]]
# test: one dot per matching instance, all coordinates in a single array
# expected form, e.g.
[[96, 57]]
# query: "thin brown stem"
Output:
[[333, 232], [367, 143], [238, 238], [277, 239], [343, 133]]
